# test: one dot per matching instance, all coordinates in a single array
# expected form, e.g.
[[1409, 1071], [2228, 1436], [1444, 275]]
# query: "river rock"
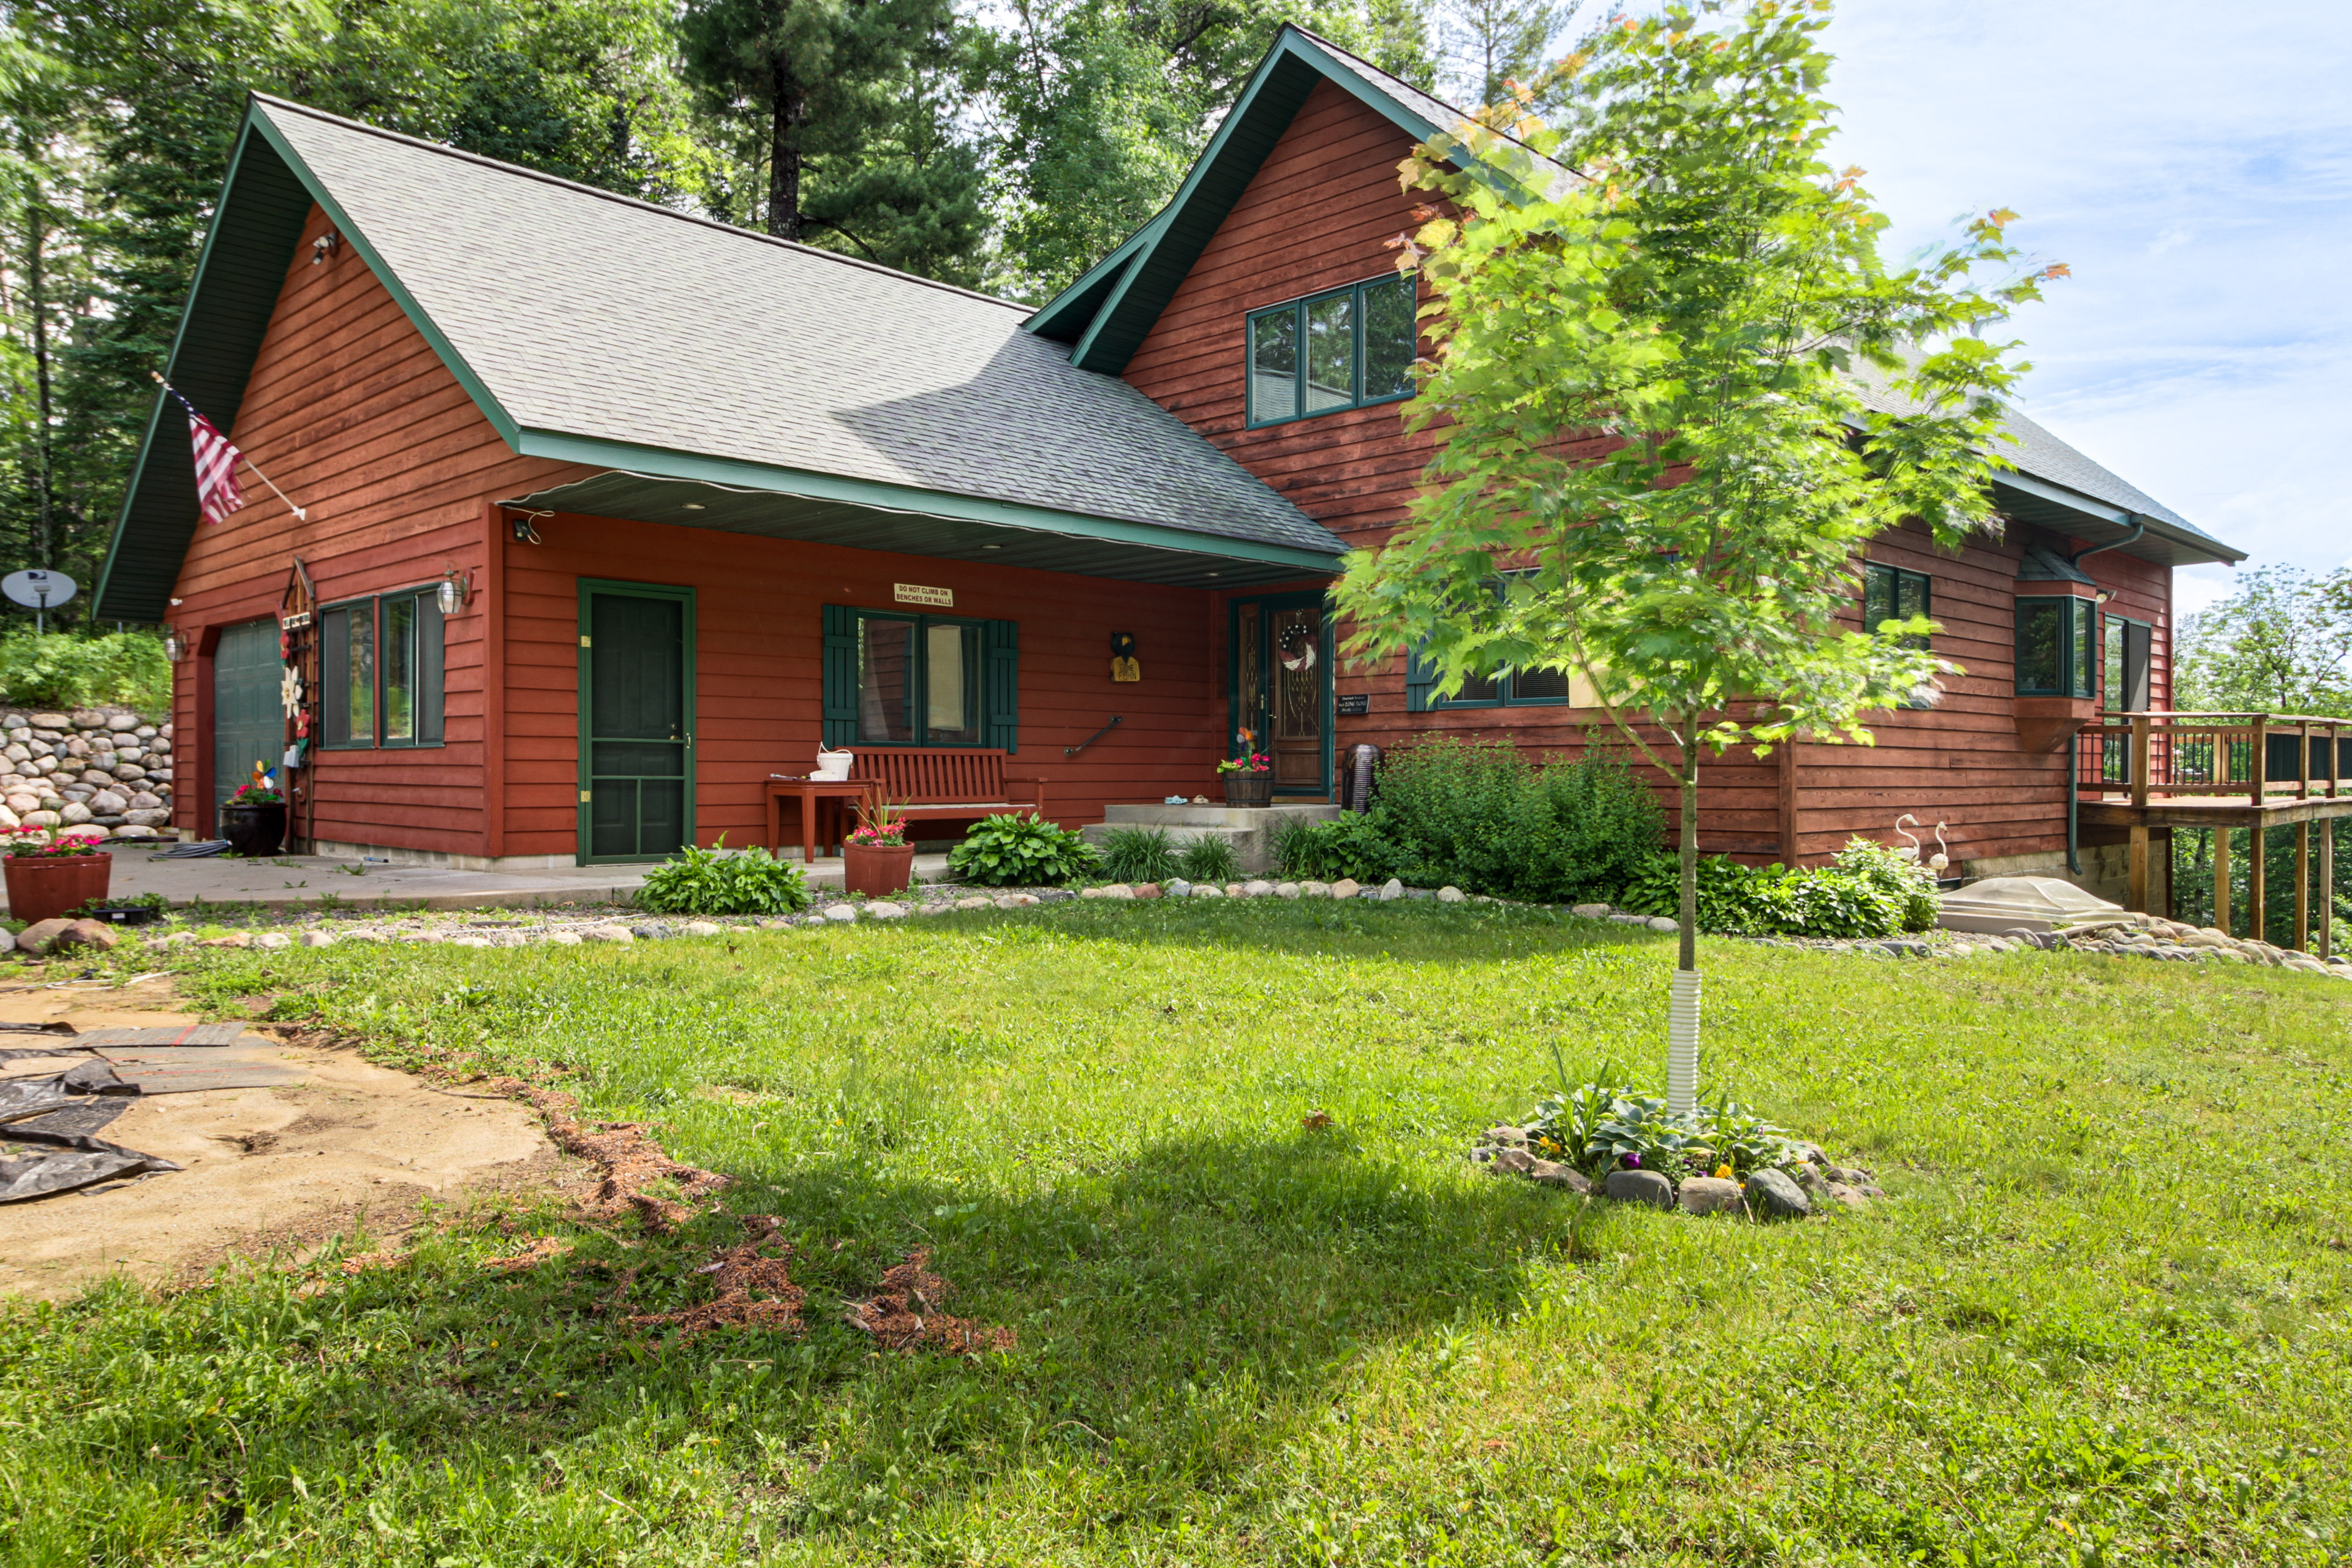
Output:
[[1346, 888], [1642, 1187], [1552, 1173], [1710, 1195], [1774, 1195], [1449, 894]]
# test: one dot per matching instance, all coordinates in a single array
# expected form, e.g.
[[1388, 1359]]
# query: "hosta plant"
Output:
[[1012, 850]]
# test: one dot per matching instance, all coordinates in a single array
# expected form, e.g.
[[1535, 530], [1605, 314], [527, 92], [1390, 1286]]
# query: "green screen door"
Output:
[[636, 720]]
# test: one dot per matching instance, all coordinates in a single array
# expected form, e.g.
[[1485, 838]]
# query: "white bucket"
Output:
[[833, 764]]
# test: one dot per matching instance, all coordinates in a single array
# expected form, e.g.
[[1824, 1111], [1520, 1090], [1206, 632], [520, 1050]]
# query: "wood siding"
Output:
[[759, 607], [1315, 217], [354, 416]]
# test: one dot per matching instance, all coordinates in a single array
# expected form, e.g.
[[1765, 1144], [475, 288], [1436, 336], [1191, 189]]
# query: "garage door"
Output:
[[248, 715]]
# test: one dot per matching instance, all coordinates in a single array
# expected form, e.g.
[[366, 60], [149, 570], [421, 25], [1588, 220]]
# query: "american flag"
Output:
[[216, 462]]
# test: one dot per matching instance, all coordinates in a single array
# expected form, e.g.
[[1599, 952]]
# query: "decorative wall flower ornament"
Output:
[[290, 691]]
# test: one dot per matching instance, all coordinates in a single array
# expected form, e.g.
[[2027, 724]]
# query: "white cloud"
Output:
[[2194, 168]]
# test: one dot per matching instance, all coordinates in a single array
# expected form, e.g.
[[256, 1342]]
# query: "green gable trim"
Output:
[[1173, 241], [736, 474], [264, 200], [1067, 314]]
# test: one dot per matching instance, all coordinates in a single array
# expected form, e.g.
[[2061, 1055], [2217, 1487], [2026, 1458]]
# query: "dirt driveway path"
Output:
[[279, 1167]]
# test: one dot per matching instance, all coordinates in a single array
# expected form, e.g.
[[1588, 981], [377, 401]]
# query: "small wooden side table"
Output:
[[828, 797]]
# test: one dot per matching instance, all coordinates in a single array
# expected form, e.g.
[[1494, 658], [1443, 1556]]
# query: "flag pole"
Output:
[[299, 514]]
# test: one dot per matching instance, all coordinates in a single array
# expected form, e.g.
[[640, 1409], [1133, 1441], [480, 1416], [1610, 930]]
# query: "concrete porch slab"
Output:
[[316, 881]]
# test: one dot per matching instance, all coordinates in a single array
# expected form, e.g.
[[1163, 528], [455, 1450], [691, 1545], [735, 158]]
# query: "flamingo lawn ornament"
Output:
[[1910, 851], [1942, 860]]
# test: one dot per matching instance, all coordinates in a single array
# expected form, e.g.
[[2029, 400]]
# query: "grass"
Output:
[[2101, 1320]]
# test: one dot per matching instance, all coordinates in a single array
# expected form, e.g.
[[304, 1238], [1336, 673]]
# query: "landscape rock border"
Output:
[[102, 771]]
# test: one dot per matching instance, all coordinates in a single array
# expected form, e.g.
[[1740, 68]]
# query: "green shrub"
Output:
[[713, 882], [1478, 814], [1206, 860], [1019, 851], [1352, 845], [1870, 891], [63, 670], [1134, 853]]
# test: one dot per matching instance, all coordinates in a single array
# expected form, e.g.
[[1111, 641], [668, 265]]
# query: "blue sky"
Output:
[[2193, 164]]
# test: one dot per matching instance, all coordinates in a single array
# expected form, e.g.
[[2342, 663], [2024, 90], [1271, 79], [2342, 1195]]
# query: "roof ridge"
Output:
[[1467, 116], [615, 197]]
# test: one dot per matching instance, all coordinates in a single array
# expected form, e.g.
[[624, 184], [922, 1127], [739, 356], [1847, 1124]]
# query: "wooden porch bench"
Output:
[[944, 783]]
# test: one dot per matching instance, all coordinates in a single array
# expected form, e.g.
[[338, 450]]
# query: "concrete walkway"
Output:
[[316, 882]]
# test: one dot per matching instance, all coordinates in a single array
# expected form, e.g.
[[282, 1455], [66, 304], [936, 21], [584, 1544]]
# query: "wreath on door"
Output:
[[1298, 646]]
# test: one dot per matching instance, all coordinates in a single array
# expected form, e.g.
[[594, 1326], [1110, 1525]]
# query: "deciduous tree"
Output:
[[1657, 461]]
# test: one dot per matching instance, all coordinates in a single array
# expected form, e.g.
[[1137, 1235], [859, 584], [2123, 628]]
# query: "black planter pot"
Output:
[[256, 830]]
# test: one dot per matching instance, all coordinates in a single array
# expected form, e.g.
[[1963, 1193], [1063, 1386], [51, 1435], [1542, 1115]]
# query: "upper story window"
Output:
[[1891, 593], [1341, 349], [2054, 644]]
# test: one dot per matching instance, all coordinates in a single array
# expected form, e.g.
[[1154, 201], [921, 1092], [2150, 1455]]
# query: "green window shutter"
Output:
[[839, 681], [1000, 685], [1420, 679], [429, 667]]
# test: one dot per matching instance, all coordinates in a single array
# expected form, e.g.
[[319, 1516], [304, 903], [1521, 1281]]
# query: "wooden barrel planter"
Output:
[[1249, 789], [43, 886]]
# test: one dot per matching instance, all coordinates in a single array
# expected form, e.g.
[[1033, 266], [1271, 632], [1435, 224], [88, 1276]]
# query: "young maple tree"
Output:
[[1654, 324]]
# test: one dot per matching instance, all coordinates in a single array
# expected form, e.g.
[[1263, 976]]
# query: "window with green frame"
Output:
[[893, 679], [381, 671], [1892, 593], [1504, 689], [2056, 647], [1344, 349]]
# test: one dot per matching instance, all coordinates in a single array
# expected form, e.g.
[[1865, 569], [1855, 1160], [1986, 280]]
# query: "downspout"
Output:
[[2073, 757]]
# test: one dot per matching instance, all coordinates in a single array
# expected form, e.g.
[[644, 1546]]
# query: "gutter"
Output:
[[2139, 531]]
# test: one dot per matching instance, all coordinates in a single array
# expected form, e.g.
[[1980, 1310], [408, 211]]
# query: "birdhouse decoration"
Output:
[[1123, 667]]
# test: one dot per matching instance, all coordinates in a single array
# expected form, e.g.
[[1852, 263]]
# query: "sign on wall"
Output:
[[916, 593], [1353, 704]]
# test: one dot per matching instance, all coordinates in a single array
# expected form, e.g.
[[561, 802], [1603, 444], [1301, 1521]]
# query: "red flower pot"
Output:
[[1249, 789], [43, 886], [877, 872]]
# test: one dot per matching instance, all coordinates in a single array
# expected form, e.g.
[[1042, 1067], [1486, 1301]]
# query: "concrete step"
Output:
[[1249, 829]]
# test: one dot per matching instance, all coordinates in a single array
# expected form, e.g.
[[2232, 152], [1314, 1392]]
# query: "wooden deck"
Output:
[[2223, 771]]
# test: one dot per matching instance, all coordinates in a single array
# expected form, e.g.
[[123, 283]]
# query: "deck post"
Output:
[[2261, 759], [2135, 897], [2326, 887], [2141, 732], [2302, 886], [2221, 880], [2257, 894]]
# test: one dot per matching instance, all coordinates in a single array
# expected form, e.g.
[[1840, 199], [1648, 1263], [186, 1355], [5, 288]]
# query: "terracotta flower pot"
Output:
[[43, 886], [1248, 789], [254, 830], [877, 872]]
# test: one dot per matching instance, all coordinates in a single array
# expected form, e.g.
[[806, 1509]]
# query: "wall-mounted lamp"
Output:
[[2102, 595], [324, 246], [524, 532], [175, 647], [455, 589]]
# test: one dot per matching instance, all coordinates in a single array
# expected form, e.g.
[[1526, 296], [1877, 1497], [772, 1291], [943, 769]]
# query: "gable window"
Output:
[[1345, 349], [2054, 646], [1891, 593], [381, 671], [896, 679]]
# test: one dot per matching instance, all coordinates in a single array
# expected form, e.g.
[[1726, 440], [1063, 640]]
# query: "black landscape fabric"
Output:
[[48, 1128]]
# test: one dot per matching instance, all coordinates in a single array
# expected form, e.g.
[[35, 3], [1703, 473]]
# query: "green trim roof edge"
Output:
[[162, 507], [1174, 239], [666, 463]]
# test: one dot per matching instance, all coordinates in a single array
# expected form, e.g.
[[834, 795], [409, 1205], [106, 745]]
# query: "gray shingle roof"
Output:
[[593, 315]]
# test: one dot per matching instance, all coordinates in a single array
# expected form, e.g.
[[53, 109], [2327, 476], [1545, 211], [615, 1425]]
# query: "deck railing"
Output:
[[2225, 757]]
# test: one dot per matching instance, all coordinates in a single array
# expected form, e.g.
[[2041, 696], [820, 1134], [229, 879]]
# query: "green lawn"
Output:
[[2101, 1321]]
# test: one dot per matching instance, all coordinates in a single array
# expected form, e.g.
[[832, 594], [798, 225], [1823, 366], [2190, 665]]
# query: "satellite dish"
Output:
[[38, 589]]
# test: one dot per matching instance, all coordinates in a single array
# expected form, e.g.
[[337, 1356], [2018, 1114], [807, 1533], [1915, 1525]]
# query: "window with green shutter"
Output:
[[891, 679]]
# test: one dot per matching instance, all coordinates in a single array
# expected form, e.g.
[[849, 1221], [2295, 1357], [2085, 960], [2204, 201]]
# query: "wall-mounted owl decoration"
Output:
[[1122, 657]]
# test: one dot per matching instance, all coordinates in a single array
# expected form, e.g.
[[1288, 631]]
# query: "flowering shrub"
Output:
[[254, 794], [879, 826], [33, 841], [1605, 1127], [1248, 758]]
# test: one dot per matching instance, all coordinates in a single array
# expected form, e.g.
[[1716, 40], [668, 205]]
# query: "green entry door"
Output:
[[636, 720], [248, 711]]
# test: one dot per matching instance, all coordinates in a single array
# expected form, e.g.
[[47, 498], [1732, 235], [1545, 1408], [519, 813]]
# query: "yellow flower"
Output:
[[1723, 1172]]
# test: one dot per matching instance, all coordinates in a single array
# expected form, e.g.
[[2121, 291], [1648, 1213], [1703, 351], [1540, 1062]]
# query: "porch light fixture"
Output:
[[454, 591], [323, 247], [175, 647]]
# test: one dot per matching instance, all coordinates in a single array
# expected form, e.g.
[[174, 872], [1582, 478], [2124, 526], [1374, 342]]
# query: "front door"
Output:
[[636, 720], [1282, 687], [248, 707]]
